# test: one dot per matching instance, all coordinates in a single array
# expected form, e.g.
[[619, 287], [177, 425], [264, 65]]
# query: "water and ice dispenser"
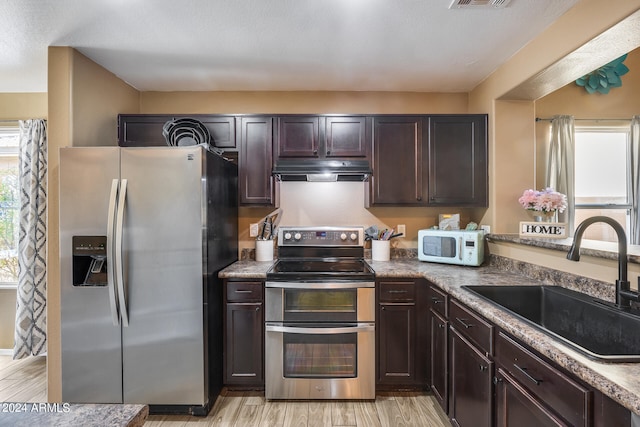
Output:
[[89, 260]]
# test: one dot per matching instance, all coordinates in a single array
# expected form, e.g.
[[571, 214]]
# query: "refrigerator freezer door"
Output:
[[91, 347], [163, 348]]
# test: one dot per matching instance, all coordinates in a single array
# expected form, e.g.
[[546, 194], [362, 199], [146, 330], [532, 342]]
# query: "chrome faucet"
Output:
[[624, 294]]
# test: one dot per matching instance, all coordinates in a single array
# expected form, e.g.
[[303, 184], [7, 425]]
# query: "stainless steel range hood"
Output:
[[322, 170]]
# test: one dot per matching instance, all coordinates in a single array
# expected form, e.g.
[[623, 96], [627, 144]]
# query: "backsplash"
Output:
[[548, 276]]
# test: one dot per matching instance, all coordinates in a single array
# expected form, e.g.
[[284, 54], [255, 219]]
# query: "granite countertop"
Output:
[[65, 414], [246, 270], [619, 381]]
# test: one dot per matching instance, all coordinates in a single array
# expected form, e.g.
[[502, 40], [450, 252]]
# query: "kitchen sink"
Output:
[[594, 327]]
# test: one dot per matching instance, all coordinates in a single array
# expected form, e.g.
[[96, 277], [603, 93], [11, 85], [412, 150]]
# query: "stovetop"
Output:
[[323, 268], [317, 253]]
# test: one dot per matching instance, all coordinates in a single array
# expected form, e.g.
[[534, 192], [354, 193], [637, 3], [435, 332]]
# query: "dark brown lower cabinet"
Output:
[[516, 407], [244, 334], [471, 391], [402, 340], [396, 352], [438, 360]]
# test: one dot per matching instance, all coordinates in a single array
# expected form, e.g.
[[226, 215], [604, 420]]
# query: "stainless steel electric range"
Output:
[[320, 316]]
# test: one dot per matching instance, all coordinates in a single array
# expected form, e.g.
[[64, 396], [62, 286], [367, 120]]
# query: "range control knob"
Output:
[[287, 236], [343, 236], [297, 236], [353, 236]]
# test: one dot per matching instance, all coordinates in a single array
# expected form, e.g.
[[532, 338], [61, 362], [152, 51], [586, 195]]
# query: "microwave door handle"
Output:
[[320, 331], [111, 218], [460, 239]]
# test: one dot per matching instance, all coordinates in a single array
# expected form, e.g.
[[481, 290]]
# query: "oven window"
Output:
[[320, 356], [320, 301]]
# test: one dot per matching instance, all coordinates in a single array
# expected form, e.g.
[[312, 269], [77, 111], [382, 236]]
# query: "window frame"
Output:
[[610, 206], [13, 152]]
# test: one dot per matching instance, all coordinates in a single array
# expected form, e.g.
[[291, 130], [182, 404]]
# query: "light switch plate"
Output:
[[486, 229], [401, 229], [253, 230]]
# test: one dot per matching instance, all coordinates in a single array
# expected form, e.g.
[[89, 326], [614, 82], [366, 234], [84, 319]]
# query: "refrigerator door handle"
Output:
[[113, 298], [122, 296]]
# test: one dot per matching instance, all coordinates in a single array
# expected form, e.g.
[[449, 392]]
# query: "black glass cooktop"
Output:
[[319, 268]]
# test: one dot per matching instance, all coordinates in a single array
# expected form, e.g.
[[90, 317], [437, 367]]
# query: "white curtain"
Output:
[[30, 332], [561, 165], [634, 232]]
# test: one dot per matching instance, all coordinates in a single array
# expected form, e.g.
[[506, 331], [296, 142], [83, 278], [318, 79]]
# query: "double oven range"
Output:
[[320, 316]]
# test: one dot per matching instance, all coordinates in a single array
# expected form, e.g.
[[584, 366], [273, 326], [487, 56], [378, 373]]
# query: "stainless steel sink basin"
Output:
[[594, 327]]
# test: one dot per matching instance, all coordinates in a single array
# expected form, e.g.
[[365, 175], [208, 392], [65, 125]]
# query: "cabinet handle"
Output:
[[436, 300], [527, 374], [483, 368], [440, 325], [419, 198], [242, 291], [464, 323], [258, 308], [497, 380], [328, 152], [315, 152], [394, 291]]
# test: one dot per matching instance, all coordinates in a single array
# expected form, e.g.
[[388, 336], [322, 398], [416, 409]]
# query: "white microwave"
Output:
[[460, 247]]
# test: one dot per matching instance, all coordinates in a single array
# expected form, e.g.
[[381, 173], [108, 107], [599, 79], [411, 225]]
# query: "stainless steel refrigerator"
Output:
[[143, 234]]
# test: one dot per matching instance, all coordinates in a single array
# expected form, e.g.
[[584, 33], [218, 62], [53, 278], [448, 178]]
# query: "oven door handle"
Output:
[[320, 331], [320, 285]]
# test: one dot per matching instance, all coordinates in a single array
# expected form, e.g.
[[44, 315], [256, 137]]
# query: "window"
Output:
[[9, 206], [602, 178]]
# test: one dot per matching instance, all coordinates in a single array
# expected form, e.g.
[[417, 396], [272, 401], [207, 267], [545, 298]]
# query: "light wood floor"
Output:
[[244, 409], [25, 381]]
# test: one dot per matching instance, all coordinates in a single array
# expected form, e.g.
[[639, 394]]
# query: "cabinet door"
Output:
[[396, 343], [244, 344], [398, 174], [222, 130], [141, 130], [516, 407], [458, 174], [347, 137], [256, 184], [439, 358], [470, 399], [297, 136]]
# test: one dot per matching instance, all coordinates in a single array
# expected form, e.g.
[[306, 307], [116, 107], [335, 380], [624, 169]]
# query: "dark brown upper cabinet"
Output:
[[257, 185], [458, 174], [437, 160], [145, 130], [399, 170], [299, 137]]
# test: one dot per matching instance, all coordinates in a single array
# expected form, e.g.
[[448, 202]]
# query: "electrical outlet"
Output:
[[401, 229], [253, 230], [486, 229]]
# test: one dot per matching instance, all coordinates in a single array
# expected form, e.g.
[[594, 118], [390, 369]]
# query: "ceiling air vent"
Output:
[[463, 4]]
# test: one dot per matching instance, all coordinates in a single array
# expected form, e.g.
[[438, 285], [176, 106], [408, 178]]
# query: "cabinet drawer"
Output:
[[244, 291], [400, 291], [438, 301], [471, 326], [564, 396]]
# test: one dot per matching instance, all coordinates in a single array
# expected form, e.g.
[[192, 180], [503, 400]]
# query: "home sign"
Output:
[[549, 230]]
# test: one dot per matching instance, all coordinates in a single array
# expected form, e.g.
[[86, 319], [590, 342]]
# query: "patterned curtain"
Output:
[[561, 165], [30, 334], [634, 232]]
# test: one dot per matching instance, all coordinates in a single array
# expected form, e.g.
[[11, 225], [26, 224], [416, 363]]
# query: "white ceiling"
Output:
[[202, 45]]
